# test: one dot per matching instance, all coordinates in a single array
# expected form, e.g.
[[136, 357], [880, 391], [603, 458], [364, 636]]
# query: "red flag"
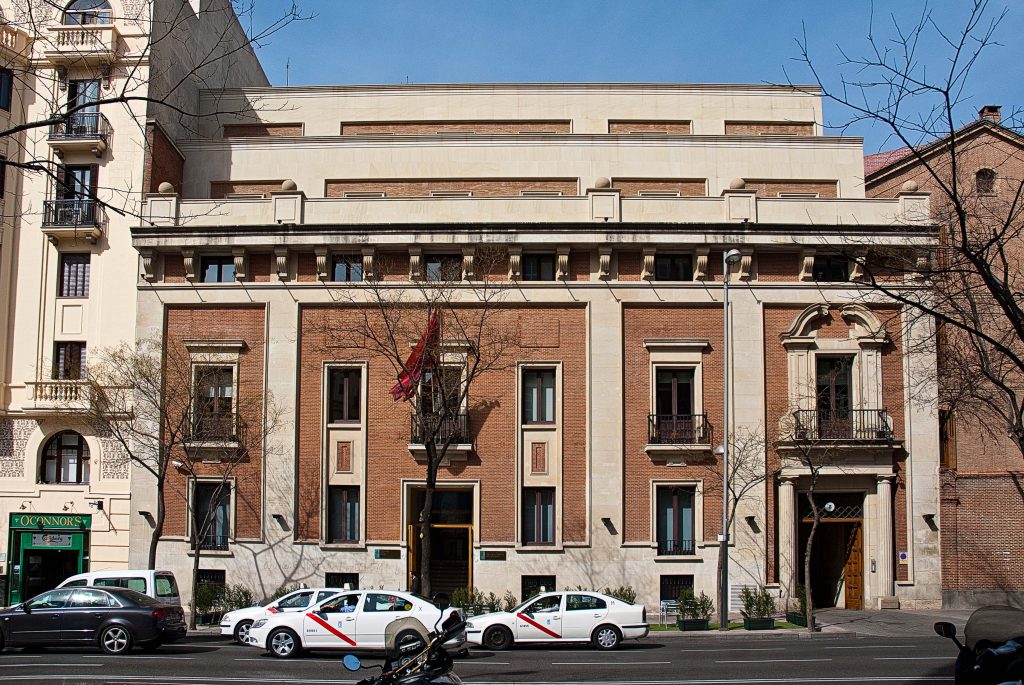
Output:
[[405, 388]]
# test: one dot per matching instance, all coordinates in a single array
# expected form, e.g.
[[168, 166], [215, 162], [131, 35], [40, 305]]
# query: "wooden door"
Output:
[[853, 572]]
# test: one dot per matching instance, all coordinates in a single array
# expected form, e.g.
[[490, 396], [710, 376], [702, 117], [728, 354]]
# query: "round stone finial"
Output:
[[165, 187], [910, 187], [289, 185], [602, 182], [737, 184]]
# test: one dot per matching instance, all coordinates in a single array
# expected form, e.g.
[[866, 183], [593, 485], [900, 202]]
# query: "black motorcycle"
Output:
[[992, 652], [413, 659]]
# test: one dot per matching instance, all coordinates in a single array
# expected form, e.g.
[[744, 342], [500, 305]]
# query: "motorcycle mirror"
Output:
[[452, 621], [352, 662], [944, 629]]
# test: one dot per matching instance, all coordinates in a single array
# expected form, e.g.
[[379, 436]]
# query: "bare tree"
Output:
[[439, 336], [971, 284]]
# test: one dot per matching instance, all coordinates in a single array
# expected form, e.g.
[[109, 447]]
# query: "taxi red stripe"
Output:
[[272, 610], [332, 630], [539, 626]]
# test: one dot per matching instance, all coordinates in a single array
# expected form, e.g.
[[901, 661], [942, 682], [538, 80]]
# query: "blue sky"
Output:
[[449, 41]]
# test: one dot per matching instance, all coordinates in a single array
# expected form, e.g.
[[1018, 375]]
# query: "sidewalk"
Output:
[[889, 623]]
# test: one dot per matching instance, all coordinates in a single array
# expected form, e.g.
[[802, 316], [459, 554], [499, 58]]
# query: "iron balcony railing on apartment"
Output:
[[678, 429], [856, 425], [72, 213], [455, 426], [212, 543], [668, 548], [81, 125], [209, 427]]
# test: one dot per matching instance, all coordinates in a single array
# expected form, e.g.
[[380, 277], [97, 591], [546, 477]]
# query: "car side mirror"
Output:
[[945, 629], [25, 608]]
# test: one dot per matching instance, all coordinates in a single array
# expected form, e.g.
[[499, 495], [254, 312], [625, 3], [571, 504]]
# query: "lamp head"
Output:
[[733, 256]]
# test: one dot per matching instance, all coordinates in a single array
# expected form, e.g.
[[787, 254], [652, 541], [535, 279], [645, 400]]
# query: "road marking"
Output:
[[483, 663], [738, 649], [770, 661], [140, 656], [50, 666], [911, 658], [877, 647], [608, 663]]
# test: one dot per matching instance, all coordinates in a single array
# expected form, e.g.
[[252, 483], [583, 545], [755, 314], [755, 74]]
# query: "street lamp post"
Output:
[[729, 257]]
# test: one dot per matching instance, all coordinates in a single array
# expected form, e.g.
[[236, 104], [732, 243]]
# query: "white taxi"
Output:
[[353, 620], [561, 617], [237, 623]]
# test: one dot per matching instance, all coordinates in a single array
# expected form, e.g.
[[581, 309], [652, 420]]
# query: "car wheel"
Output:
[[242, 631], [283, 643], [606, 637], [115, 640], [498, 638]]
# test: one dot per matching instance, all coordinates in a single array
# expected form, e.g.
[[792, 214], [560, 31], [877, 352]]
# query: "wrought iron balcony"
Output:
[[210, 428], [80, 132], [75, 218], [676, 547], [211, 543], [678, 429], [850, 425], [455, 426]]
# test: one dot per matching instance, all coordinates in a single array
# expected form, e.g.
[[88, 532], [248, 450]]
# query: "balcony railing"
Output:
[[678, 429], [72, 213], [856, 425], [455, 427], [668, 548], [79, 125], [59, 396], [89, 44], [212, 543], [213, 428]]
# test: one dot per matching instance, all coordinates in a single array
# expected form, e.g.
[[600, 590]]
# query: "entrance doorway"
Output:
[[837, 560], [451, 565], [43, 550]]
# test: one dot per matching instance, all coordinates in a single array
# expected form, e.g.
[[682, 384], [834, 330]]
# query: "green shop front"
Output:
[[43, 550]]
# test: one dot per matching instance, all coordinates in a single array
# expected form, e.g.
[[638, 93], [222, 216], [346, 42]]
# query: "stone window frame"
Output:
[[229, 482], [552, 476], [681, 353], [698, 515], [363, 368], [214, 354]]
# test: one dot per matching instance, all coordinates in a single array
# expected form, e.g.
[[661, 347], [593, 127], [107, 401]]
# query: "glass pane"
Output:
[[166, 586]]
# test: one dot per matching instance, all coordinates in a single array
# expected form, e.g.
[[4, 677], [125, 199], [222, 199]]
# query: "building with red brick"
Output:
[[980, 465], [613, 206]]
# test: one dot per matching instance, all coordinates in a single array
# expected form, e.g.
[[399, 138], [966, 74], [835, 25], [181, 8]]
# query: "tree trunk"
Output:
[[196, 547], [426, 535], [809, 615], [158, 525]]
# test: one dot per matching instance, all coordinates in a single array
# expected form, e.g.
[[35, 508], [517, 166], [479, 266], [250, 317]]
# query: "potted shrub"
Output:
[[799, 617], [758, 609], [694, 611]]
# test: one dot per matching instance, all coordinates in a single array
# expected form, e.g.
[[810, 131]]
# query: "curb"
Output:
[[827, 632]]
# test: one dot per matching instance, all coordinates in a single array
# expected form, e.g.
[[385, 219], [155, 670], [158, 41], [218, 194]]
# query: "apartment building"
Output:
[[591, 460], [67, 264], [980, 463]]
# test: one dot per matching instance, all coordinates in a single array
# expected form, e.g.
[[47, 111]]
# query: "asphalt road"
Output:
[[654, 661]]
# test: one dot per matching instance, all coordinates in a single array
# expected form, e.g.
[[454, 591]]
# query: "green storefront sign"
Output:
[[43, 550]]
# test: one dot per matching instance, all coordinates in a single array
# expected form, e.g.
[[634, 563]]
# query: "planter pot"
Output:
[[758, 623], [796, 618], [693, 623]]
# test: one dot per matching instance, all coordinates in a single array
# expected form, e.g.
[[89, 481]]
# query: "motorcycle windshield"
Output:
[[996, 624]]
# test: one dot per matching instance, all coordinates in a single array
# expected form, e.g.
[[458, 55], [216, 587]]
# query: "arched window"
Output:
[[85, 12], [985, 181], [65, 459]]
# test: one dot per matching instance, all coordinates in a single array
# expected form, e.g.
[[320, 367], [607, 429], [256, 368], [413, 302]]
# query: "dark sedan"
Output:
[[114, 619]]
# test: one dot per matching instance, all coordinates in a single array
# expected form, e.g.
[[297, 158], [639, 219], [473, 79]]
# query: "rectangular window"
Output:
[[538, 516], [344, 387], [675, 520], [947, 439], [218, 269], [68, 361], [212, 523], [215, 580], [672, 585], [673, 392], [347, 268], [214, 412], [342, 514], [538, 267], [539, 396], [6, 89], [341, 581], [443, 267], [74, 275], [834, 398], [74, 197], [534, 585], [673, 267], [831, 268]]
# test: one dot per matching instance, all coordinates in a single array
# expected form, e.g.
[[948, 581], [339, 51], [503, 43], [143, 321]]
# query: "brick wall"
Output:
[[649, 126], [641, 322], [778, 266], [494, 187], [756, 128], [163, 161], [218, 189], [432, 127], [772, 187], [561, 332], [262, 130], [686, 187], [223, 322]]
